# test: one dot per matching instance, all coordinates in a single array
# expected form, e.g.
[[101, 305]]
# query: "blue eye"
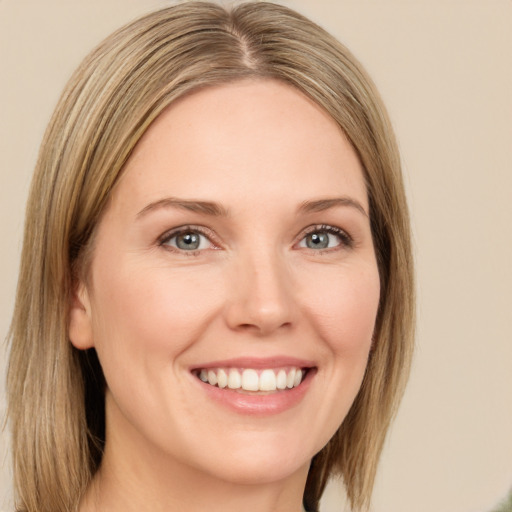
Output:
[[325, 237], [187, 240]]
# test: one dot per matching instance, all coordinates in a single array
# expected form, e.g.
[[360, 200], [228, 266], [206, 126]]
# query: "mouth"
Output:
[[253, 380], [256, 386]]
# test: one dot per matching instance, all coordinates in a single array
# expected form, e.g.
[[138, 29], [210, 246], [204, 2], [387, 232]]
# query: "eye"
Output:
[[325, 237], [187, 239]]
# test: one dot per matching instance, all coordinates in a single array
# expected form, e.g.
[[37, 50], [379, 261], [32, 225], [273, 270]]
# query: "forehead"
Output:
[[256, 136]]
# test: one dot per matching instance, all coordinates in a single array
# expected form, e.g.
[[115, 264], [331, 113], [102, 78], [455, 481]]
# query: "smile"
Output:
[[252, 380]]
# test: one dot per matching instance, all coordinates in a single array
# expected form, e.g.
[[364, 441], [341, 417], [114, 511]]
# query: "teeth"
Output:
[[290, 379], [252, 380], [281, 380], [212, 377], [234, 380], [222, 378], [268, 381]]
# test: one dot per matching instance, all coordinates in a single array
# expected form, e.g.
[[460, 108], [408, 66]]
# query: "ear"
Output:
[[80, 321]]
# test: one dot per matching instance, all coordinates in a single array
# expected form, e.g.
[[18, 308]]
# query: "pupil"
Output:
[[188, 241], [318, 241]]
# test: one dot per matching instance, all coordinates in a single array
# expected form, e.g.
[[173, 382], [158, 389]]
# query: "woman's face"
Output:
[[236, 248]]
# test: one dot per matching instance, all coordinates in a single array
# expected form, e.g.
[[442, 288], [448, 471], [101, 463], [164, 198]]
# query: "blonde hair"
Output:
[[56, 393]]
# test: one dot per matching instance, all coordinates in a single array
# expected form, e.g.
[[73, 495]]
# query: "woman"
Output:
[[215, 303]]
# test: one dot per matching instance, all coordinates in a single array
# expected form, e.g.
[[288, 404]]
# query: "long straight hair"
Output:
[[56, 393]]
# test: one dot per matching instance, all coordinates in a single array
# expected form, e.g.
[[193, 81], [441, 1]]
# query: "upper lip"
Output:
[[256, 363]]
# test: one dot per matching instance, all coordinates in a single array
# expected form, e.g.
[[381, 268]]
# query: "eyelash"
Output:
[[346, 240], [164, 240]]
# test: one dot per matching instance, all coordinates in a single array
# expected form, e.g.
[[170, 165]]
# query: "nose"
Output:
[[262, 298]]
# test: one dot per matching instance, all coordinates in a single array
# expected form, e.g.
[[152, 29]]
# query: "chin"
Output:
[[260, 459], [261, 472]]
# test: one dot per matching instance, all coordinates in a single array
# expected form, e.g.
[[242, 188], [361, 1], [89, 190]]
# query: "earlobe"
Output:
[[80, 322]]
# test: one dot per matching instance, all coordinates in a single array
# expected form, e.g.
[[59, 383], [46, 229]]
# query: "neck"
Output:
[[130, 482], [113, 492]]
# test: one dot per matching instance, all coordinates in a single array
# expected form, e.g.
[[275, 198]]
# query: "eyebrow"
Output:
[[204, 207], [321, 205], [216, 210]]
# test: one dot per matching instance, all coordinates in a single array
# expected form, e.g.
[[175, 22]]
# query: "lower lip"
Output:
[[258, 405]]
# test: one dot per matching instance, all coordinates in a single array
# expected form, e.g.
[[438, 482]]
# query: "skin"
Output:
[[259, 149]]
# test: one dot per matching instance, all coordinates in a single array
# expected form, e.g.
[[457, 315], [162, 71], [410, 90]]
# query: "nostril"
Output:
[[262, 328]]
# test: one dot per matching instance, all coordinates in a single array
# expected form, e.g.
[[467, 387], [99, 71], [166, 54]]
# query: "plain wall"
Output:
[[444, 68]]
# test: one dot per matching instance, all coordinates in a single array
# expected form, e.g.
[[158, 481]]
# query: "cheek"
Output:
[[151, 310], [144, 319], [343, 314], [344, 311]]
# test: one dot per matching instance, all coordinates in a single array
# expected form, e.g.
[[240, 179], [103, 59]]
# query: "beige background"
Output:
[[444, 68]]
